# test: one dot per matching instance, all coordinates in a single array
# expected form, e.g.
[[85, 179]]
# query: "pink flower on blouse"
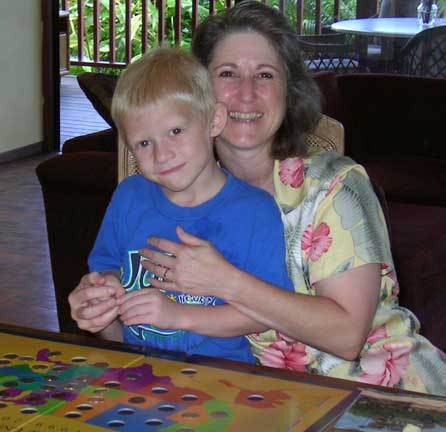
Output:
[[286, 353], [291, 172], [385, 366], [333, 184], [376, 335], [316, 243]]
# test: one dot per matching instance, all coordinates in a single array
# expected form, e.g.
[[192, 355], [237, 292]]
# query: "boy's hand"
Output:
[[94, 301], [149, 306]]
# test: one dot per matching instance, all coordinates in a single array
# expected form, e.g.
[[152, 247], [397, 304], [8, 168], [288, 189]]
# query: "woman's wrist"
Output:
[[231, 283]]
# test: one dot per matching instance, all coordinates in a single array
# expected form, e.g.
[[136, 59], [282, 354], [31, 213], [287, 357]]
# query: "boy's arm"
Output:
[[150, 306], [113, 332]]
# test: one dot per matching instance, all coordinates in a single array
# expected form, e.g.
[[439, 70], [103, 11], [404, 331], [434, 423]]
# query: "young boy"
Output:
[[166, 114]]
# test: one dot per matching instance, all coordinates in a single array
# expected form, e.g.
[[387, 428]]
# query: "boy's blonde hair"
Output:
[[165, 75]]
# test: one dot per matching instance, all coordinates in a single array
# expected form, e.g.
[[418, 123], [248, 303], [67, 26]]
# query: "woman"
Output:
[[344, 319]]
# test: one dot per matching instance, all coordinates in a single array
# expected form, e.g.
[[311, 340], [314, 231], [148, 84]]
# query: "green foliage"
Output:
[[348, 8], [441, 8], [348, 11]]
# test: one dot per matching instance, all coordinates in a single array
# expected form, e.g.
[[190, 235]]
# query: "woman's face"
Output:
[[249, 77]]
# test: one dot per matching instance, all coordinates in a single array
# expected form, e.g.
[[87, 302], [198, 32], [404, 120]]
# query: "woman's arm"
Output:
[[337, 320]]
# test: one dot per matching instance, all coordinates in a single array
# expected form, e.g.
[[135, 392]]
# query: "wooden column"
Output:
[[366, 8]]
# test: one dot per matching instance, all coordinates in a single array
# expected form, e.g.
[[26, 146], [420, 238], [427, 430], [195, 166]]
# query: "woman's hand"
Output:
[[194, 267], [149, 306], [94, 303]]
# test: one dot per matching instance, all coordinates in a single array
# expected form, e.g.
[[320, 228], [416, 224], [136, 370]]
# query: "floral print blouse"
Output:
[[334, 223]]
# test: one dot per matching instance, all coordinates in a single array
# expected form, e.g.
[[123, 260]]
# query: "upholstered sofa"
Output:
[[394, 125]]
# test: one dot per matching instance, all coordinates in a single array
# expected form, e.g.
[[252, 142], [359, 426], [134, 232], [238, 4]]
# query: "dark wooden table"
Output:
[[64, 382]]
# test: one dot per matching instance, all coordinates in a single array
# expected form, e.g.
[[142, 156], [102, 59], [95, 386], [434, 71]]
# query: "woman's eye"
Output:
[[226, 74], [176, 131], [266, 75]]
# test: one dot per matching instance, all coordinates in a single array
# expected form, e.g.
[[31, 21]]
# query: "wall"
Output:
[[20, 77]]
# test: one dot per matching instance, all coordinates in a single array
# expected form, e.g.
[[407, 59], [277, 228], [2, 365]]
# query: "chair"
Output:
[[330, 52], [425, 54], [328, 135]]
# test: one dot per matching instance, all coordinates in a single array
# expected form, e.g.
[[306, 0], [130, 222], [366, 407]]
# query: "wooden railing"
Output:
[[95, 42]]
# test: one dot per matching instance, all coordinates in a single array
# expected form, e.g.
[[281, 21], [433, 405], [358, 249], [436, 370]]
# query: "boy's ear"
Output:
[[219, 119]]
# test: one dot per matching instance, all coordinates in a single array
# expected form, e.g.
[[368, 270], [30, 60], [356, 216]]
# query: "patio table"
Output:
[[393, 31]]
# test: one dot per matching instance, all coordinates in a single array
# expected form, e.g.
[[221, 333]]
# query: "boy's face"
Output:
[[172, 144]]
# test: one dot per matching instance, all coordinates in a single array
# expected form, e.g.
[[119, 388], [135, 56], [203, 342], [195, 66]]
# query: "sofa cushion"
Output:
[[102, 141], [99, 90], [410, 179], [418, 239], [389, 116]]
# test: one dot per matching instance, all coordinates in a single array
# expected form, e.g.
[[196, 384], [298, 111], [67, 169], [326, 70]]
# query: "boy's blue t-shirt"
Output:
[[242, 222]]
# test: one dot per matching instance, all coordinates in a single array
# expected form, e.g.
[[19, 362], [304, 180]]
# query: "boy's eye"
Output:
[[176, 131], [144, 143]]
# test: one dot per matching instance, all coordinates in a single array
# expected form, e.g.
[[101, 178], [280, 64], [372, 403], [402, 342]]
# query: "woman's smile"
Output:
[[245, 116]]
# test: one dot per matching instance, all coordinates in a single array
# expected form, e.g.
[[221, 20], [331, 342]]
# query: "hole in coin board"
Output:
[[71, 386], [188, 371], [219, 414], [73, 414], [137, 400], [126, 411], [79, 359], [27, 380], [112, 384], [39, 366], [133, 376], [189, 397], [10, 356], [84, 407], [116, 423], [34, 398], [96, 400], [50, 378], [255, 397], [159, 390], [59, 395], [28, 410], [59, 368], [166, 408], [154, 422], [48, 387], [190, 415], [83, 378], [3, 405], [26, 358]]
